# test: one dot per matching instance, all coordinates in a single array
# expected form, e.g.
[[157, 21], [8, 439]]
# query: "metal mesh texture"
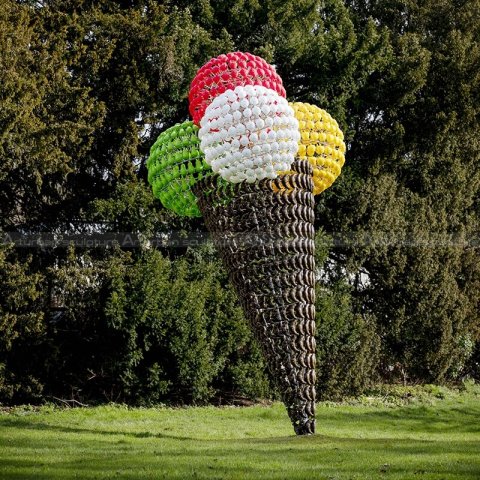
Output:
[[265, 235]]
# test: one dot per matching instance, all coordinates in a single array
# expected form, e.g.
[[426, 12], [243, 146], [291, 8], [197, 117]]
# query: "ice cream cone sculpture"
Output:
[[274, 156]]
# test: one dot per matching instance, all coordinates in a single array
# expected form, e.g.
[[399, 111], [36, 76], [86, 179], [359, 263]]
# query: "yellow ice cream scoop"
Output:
[[321, 143]]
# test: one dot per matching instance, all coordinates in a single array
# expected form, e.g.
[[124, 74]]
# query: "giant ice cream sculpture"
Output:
[[251, 163]]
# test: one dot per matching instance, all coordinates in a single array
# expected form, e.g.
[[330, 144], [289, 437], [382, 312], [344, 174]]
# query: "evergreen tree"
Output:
[[85, 88], [417, 155]]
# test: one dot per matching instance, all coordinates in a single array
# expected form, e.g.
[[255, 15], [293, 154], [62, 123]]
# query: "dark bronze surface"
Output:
[[264, 233]]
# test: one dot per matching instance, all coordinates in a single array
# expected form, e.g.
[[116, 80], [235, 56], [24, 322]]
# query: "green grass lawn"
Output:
[[429, 438]]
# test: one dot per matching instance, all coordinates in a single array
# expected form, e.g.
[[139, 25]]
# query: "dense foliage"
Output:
[[86, 87]]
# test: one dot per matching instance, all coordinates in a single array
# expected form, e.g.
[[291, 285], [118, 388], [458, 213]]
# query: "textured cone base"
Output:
[[264, 233]]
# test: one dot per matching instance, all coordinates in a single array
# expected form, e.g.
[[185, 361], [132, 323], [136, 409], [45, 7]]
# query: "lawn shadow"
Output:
[[418, 419], [44, 427]]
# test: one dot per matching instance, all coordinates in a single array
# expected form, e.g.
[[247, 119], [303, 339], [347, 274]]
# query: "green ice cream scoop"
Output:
[[176, 164]]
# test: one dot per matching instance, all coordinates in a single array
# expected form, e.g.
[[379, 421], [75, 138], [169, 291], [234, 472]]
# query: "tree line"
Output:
[[86, 87]]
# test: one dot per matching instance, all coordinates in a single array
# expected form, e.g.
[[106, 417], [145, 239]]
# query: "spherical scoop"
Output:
[[226, 72], [321, 144], [248, 134], [175, 164]]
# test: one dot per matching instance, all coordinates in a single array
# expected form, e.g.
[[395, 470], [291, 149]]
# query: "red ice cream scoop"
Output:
[[226, 72]]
